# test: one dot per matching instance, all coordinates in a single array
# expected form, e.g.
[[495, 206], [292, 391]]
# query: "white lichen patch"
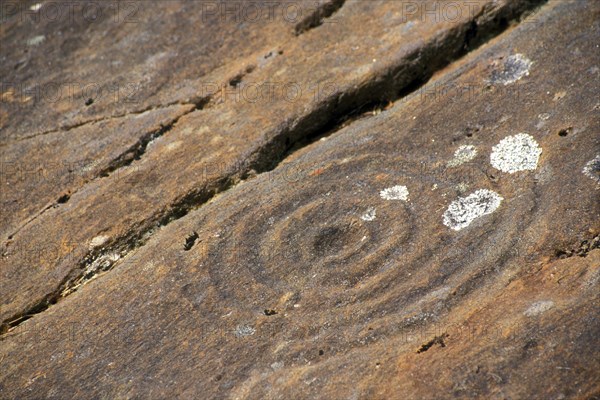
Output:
[[462, 155], [462, 187], [516, 153], [398, 192], [34, 41], [369, 215], [544, 116], [538, 308], [513, 69], [244, 330], [463, 211], [592, 169], [98, 241], [277, 365]]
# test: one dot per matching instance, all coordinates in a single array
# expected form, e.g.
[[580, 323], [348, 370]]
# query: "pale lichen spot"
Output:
[[538, 308], [513, 69], [277, 365], [369, 215], [544, 116], [174, 145], [244, 330], [463, 211], [592, 169], [34, 41], [516, 153], [397, 192], [149, 266], [98, 241], [462, 187], [462, 155]]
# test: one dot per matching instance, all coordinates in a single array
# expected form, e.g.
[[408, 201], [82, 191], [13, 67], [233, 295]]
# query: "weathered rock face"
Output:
[[233, 136], [54, 166], [64, 64], [444, 247]]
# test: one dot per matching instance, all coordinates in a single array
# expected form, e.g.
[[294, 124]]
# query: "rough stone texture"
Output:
[[336, 69], [125, 58], [280, 288], [53, 167]]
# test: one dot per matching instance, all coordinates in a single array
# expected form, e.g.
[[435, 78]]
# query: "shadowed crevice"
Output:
[[318, 16]]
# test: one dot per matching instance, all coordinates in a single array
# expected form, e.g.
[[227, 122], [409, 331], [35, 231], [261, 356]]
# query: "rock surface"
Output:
[[66, 64], [233, 135], [57, 165], [442, 245]]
